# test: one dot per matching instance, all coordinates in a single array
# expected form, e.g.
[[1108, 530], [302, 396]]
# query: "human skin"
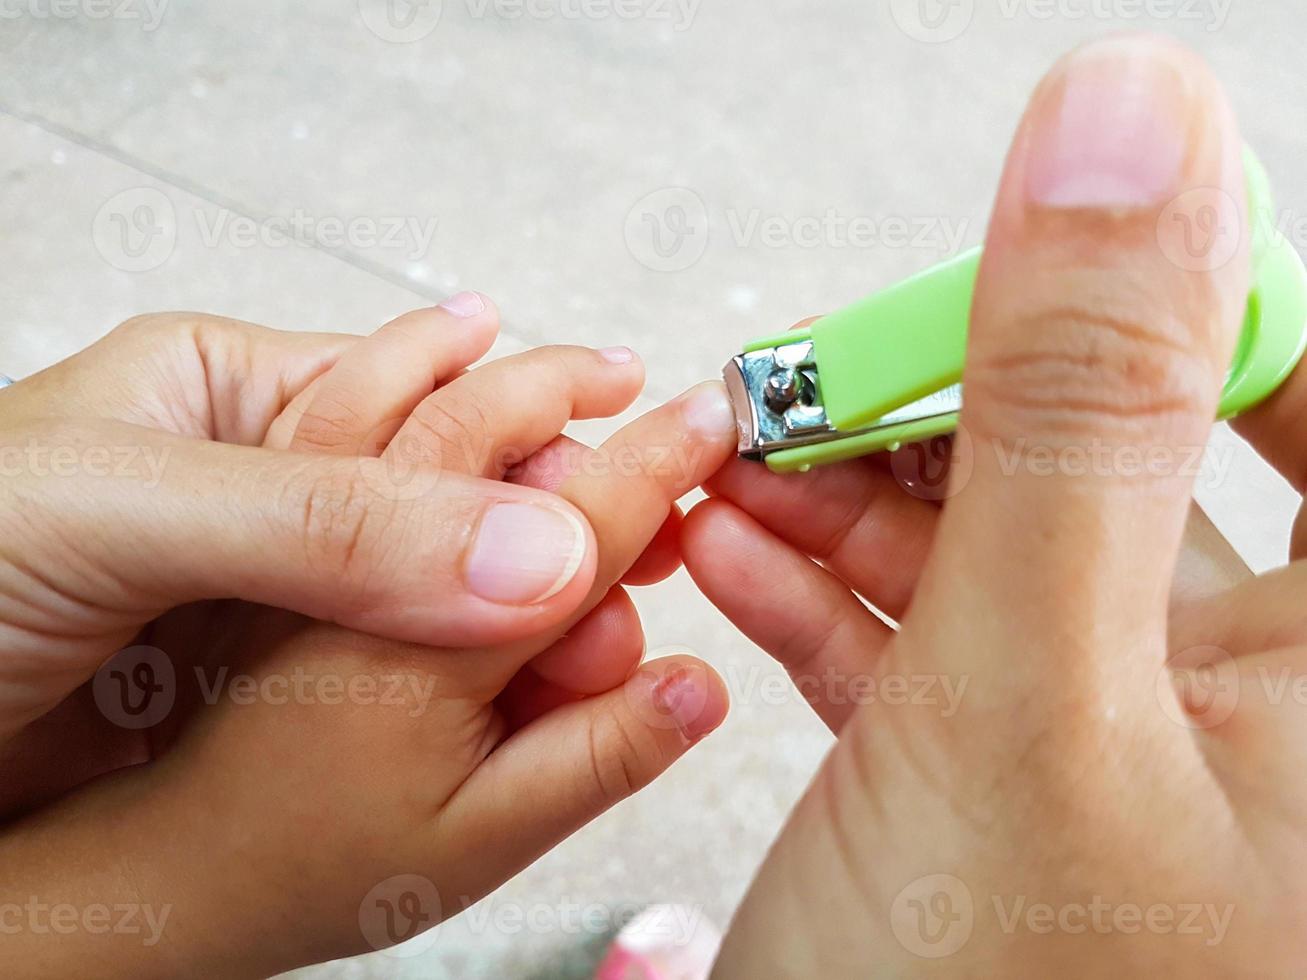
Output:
[[486, 756], [1118, 758], [134, 483], [277, 644]]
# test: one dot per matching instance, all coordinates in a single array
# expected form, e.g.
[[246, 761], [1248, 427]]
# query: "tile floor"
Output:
[[676, 180]]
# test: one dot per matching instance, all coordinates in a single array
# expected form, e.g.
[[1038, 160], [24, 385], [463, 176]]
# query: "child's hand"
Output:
[[131, 482], [1054, 767], [269, 826]]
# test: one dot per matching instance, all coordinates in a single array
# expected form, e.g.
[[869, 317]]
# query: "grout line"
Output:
[[210, 196], [187, 186]]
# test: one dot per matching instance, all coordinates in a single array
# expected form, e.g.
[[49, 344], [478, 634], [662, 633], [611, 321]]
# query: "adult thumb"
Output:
[[424, 556], [1107, 307]]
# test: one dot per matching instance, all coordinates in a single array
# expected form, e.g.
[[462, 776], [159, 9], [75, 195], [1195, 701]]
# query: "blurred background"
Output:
[[676, 175]]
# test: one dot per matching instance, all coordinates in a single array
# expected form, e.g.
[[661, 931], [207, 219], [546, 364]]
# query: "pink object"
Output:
[[664, 942]]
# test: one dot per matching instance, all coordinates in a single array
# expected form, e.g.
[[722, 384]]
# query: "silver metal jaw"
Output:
[[776, 392], [777, 399]]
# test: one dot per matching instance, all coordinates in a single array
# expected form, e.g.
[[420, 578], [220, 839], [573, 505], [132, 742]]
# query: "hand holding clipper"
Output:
[[888, 369]]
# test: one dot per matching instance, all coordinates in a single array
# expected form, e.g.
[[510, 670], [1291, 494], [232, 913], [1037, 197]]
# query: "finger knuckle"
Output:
[[345, 529], [1081, 372], [615, 751], [562, 359], [149, 326], [460, 433], [330, 425], [153, 326]]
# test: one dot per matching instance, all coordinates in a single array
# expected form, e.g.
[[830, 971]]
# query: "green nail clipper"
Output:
[[888, 370]]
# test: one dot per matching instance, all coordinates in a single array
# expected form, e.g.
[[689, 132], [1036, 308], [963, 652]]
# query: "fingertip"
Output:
[[685, 441], [680, 694], [624, 371], [661, 556], [707, 411], [600, 652], [1114, 276], [468, 320], [471, 306], [805, 323], [622, 357]]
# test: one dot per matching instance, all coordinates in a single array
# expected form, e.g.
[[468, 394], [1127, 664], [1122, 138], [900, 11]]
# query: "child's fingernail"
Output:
[[464, 304], [524, 553], [1111, 131], [707, 410], [687, 696], [617, 355]]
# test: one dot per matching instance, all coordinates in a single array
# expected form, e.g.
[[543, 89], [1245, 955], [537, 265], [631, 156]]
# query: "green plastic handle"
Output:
[[908, 341]]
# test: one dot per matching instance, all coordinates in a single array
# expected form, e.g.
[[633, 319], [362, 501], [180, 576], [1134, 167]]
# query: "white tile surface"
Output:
[[548, 151], [530, 141]]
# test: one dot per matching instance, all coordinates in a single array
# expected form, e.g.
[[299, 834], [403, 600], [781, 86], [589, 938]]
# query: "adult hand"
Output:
[[1116, 786], [356, 777], [134, 482]]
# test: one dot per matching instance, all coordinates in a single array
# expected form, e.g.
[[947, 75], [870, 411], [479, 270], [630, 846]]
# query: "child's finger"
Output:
[[357, 405], [599, 652], [794, 609], [575, 762], [853, 517], [528, 696], [661, 556], [1208, 564], [550, 467], [253, 370], [627, 486], [490, 420], [1276, 429], [1265, 612], [596, 655]]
